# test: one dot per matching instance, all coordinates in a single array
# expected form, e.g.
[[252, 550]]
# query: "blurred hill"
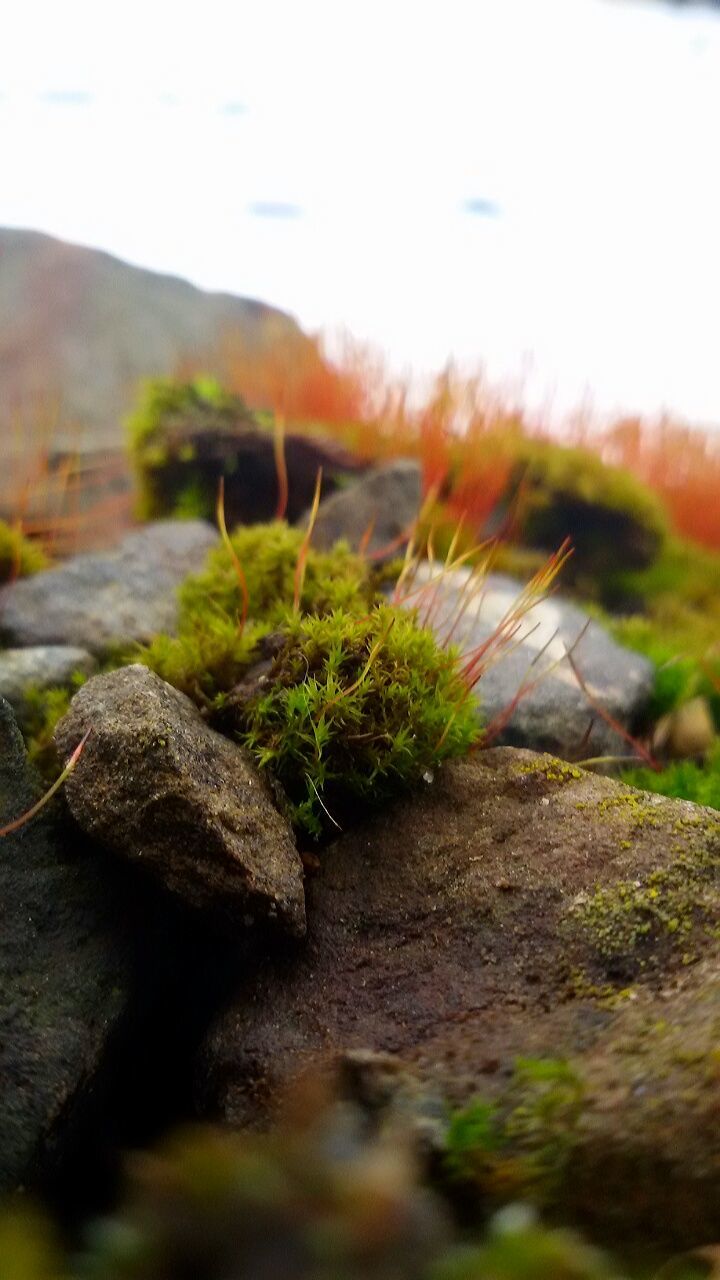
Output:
[[79, 328]]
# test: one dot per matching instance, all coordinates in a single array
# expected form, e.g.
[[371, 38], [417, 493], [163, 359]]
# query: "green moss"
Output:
[[357, 709], [356, 701], [678, 904], [18, 556], [518, 1144], [43, 709]]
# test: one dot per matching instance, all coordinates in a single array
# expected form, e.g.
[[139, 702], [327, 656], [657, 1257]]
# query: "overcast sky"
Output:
[[531, 185]]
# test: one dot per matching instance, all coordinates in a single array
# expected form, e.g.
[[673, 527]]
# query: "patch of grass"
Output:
[[684, 779]]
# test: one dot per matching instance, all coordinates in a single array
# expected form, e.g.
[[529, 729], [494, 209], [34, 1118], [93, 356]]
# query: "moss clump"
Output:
[[18, 556], [344, 699], [357, 709], [166, 434], [43, 709], [608, 515]]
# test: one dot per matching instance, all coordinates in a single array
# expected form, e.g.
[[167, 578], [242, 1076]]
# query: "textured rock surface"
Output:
[[388, 499], [460, 929], [40, 667], [67, 972], [157, 785], [96, 601], [556, 713]]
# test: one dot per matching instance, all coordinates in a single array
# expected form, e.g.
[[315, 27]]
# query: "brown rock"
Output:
[[158, 786], [417, 949]]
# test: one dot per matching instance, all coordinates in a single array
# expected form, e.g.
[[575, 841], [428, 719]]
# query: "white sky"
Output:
[[592, 125]]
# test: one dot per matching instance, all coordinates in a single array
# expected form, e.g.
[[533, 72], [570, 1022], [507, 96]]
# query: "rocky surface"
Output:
[[555, 713], [519, 907], [385, 503], [98, 601], [158, 786], [67, 975], [40, 667]]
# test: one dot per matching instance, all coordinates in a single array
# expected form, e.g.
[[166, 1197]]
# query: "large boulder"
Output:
[[97, 601], [532, 692], [158, 786], [381, 509], [68, 975], [517, 908], [40, 667]]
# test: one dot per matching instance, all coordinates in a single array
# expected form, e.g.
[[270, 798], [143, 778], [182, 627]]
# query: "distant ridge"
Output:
[[80, 328]]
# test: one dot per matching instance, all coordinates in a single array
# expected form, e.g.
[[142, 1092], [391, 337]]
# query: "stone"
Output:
[[97, 601], [161, 788], [385, 502], [517, 907], [40, 667], [67, 975], [555, 714]]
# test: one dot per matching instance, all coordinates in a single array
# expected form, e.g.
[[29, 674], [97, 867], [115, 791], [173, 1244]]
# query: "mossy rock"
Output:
[[186, 437], [609, 516], [534, 937]]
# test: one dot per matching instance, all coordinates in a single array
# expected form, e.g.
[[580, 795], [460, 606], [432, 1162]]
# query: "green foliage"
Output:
[[684, 779], [18, 556], [43, 708], [356, 710], [519, 1143], [674, 606], [268, 553], [518, 1248]]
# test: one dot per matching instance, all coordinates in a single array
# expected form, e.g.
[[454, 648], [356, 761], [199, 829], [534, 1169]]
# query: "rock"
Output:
[[158, 786], [40, 667], [555, 714], [188, 437], [386, 500], [97, 601], [67, 976], [515, 907], [686, 733]]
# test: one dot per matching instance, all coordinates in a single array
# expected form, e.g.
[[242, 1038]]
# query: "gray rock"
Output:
[[516, 908], [387, 498], [98, 600], [40, 667], [555, 714], [158, 786], [66, 975]]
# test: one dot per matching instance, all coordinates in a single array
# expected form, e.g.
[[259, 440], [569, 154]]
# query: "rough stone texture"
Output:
[[157, 785], [67, 960], [556, 713], [458, 930], [97, 601], [388, 498], [40, 667]]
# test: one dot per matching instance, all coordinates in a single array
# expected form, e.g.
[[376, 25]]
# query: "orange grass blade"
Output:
[[280, 466], [240, 572], [47, 797], [303, 553]]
